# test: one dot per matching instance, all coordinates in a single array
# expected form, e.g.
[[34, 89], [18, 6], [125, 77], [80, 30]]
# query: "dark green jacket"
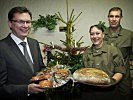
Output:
[[121, 39], [108, 58]]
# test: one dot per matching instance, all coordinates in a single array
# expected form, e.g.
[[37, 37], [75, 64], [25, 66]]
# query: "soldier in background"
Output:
[[117, 36]]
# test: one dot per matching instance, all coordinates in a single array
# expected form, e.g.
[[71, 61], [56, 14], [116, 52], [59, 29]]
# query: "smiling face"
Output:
[[114, 18], [20, 25], [96, 36]]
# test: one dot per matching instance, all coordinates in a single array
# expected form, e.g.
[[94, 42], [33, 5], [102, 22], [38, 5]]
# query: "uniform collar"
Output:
[[113, 34], [98, 51]]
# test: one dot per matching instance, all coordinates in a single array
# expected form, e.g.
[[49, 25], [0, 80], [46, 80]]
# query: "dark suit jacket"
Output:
[[15, 73]]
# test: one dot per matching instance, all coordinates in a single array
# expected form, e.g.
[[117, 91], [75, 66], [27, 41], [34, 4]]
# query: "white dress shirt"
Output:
[[18, 41]]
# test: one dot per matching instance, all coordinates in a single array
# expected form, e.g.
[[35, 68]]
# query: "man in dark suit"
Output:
[[15, 70]]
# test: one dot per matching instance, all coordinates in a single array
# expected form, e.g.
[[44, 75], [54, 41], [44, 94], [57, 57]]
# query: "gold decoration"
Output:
[[70, 42]]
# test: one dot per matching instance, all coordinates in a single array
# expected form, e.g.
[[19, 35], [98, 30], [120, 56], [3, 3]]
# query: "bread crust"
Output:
[[91, 76]]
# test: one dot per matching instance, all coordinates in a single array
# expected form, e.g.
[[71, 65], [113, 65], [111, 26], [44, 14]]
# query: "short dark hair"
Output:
[[116, 9], [18, 10], [97, 26]]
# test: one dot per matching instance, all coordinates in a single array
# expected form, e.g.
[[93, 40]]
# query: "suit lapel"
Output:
[[16, 51]]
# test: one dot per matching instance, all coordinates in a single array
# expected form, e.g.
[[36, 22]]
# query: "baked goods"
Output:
[[45, 83], [61, 74], [91, 76], [63, 71], [54, 76], [41, 77]]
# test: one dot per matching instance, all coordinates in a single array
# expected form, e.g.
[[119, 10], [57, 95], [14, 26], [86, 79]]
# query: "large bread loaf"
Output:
[[91, 76]]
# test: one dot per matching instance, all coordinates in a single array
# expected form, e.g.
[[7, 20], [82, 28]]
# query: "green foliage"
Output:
[[50, 22], [70, 55], [102, 25], [73, 61]]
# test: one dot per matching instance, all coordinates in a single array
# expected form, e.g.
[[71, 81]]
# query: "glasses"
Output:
[[22, 22]]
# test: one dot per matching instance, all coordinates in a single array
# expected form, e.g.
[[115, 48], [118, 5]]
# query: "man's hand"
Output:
[[34, 88]]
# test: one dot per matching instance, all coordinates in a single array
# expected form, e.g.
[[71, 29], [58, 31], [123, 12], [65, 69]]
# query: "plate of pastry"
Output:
[[53, 77]]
